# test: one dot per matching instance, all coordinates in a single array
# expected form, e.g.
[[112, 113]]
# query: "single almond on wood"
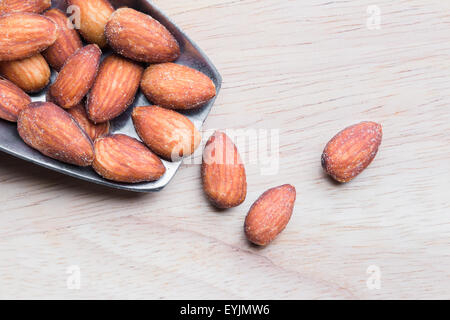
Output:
[[93, 130], [175, 86], [270, 214], [76, 77], [138, 36], [49, 129], [30, 74], [351, 150], [168, 133], [24, 35], [93, 17], [124, 159], [34, 6], [12, 100], [114, 88], [223, 173], [67, 42]]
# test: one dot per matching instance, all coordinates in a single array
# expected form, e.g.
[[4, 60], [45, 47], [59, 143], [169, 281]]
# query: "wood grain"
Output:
[[308, 69]]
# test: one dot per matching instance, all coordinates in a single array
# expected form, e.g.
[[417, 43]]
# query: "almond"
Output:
[[76, 77], [67, 42], [34, 6], [124, 159], [270, 214], [31, 74], [175, 86], [94, 131], [49, 129], [24, 35], [93, 17], [351, 150], [12, 101], [168, 133], [138, 36], [114, 88], [223, 173]]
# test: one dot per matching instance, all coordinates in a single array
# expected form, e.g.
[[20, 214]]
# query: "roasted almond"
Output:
[[31, 74], [223, 173], [94, 131], [67, 42], [93, 17], [24, 35], [138, 36], [49, 129], [124, 159], [270, 214], [34, 6], [351, 150], [76, 77], [13, 100], [168, 133], [175, 86], [114, 88]]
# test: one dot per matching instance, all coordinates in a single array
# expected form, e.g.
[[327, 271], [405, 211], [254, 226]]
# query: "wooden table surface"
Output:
[[307, 69]]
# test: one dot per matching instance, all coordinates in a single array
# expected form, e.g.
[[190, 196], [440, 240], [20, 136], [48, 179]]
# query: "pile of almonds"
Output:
[[73, 126]]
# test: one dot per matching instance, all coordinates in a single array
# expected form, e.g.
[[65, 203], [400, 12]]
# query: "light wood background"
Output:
[[308, 69]]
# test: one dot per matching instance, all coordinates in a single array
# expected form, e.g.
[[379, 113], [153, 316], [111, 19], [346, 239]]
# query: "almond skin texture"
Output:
[[24, 34], [49, 129], [76, 77], [223, 173], [139, 37], [352, 150], [168, 133], [33, 6], [30, 74], [175, 86], [114, 88], [67, 42], [124, 159], [12, 100], [270, 214], [93, 17], [94, 131]]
